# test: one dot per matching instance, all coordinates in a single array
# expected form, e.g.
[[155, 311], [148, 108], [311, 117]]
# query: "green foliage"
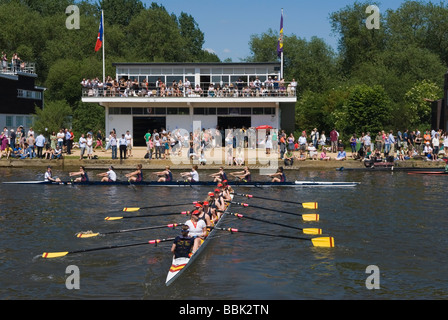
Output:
[[55, 115], [88, 117], [418, 99], [367, 109]]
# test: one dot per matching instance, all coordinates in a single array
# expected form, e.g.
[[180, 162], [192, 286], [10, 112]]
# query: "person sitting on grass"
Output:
[[342, 155], [324, 156]]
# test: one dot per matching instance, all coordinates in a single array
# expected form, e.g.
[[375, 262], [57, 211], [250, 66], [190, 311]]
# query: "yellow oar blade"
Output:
[[325, 242], [310, 217], [49, 255], [314, 231], [87, 235], [113, 218], [309, 205], [131, 209]]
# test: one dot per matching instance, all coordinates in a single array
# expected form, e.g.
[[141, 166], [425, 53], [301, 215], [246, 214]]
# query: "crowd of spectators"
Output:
[[14, 65], [162, 144], [133, 88], [430, 145]]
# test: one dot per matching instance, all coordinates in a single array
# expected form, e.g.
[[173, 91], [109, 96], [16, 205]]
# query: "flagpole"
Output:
[[281, 71], [104, 63]]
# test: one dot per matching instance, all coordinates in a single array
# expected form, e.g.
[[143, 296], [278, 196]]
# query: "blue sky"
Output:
[[228, 24]]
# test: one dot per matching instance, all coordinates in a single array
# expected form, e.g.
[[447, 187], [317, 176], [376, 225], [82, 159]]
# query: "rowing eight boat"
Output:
[[201, 183], [179, 265]]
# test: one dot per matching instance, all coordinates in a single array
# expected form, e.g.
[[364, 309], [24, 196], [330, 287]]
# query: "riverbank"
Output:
[[254, 158]]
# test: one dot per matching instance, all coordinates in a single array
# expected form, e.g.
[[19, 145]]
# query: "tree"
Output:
[[192, 36], [357, 43], [88, 117], [120, 12], [417, 111], [54, 116], [367, 109]]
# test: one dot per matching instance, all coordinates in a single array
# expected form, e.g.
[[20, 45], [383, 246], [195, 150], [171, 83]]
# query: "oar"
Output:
[[90, 234], [153, 207], [49, 255], [305, 205], [305, 217], [147, 215], [313, 231], [327, 242]]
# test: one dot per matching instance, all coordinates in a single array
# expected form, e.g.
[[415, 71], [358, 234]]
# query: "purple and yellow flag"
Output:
[[280, 39]]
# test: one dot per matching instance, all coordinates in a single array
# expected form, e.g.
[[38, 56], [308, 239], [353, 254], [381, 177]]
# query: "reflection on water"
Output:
[[393, 220]]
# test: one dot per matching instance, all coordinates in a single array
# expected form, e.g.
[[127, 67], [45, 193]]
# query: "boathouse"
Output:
[[148, 96]]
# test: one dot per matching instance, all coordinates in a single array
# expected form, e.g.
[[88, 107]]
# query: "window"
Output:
[[160, 111], [257, 111], [204, 111], [246, 111], [9, 121], [269, 110], [184, 111], [223, 111]]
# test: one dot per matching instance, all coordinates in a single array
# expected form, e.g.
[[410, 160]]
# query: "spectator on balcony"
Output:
[[257, 84], [293, 85], [4, 62], [187, 86], [198, 90]]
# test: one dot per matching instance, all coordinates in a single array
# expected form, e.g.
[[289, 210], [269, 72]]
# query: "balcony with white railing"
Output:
[[14, 67], [95, 91]]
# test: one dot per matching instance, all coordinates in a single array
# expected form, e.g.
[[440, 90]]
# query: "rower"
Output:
[[219, 176], [197, 230], [243, 176], [224, 192], [192, 176], [203, 214], [82, 173], [137, 175], [279, 176], [109, 176], [49, 176], [217, 203], [165, 176], [228, 187], [183, 244]]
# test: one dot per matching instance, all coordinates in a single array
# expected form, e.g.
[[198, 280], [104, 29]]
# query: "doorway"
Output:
[[141, 126], [237, 122]]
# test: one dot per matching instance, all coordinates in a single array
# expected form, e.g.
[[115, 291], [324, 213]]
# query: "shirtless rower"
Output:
[[243, 176], [165, 176], [279, 176], [219, 176], [137, 175], [82, 173], [192, 176]]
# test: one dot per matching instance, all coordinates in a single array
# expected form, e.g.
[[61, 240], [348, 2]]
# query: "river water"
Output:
[[394, 221]]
